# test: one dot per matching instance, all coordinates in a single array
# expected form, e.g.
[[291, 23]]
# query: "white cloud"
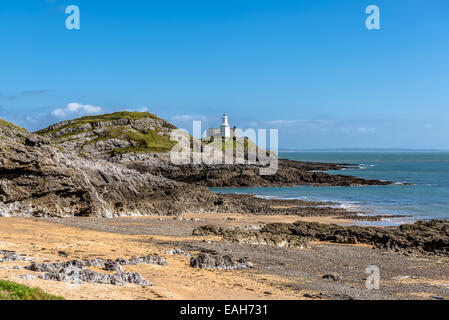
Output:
[[366, 130], [76, 108], [357, 129], [31, 119]]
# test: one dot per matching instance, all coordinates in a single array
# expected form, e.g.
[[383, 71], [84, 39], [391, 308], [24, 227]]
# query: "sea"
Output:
[[427, 196]]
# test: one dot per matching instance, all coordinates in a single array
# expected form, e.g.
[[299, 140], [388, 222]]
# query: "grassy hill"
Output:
[[113, 134]]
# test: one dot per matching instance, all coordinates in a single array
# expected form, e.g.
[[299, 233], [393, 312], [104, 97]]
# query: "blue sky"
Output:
[[309, 68]]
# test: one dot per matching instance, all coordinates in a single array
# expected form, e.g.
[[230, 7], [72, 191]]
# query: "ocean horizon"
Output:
[[420, 189]]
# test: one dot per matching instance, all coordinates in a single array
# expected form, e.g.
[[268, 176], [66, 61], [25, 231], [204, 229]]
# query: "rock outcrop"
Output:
[[149, 259], [262, 235], [13, 256], [37, 179], [79, 275], [178, 252], [226, 262], [422, 237], [289, 173], [75, 271]]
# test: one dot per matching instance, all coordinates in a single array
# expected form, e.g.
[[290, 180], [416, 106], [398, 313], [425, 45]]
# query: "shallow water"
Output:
[[427, 198]]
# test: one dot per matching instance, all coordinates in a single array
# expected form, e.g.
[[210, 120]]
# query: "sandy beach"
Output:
[[278, 273]]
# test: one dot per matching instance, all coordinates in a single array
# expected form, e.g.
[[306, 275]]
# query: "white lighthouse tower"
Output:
[[225, 130]]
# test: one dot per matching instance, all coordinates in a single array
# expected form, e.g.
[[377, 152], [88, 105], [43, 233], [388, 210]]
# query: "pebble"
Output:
[[332, 276]]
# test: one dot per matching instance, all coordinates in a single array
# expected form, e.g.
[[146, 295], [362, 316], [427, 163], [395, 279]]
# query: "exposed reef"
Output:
[[422, 237]]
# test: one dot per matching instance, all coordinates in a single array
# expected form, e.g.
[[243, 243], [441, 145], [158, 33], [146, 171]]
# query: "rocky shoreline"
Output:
[[422, 237], [289, 173]]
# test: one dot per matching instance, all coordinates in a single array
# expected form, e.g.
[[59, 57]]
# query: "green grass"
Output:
[[10, 125], [106, 117], [13, 291], [117, 116], [232, 144], [144, 140]]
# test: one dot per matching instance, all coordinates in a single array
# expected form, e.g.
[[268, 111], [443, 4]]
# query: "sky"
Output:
[[309, 68]]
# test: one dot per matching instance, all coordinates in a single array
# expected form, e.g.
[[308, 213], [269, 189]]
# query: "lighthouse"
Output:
[[225, 130]]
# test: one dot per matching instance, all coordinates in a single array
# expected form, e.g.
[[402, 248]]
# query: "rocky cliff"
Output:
[[37, 179]]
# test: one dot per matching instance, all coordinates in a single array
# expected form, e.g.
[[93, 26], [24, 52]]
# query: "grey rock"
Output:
[[208, 261], [150, 259], [43, 267], [77, 274], [13, 256], [63, 253], [177, 252], [112, 266], [74, 270]]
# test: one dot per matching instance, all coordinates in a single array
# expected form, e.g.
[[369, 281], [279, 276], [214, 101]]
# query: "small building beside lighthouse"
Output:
[[224, 130]]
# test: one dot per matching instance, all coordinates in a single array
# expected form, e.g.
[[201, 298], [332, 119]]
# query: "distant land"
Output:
[[363, 150]]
